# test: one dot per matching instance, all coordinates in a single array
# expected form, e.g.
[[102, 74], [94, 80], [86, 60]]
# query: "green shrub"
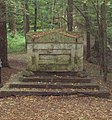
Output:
[[16, 43]]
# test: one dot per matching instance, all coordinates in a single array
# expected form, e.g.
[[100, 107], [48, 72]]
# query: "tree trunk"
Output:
[[88, 49], [104, 39], [96, 46], [87, 24], [70, 15], [3, 35], [12, 25], [12, 20], [26, 21], [35, 17], [53, 18]]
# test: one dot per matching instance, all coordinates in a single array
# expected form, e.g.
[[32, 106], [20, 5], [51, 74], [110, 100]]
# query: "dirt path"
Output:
[[17, 63]]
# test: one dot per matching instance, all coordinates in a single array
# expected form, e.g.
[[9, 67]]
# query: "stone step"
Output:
[[60, 79], [53, 85], [42, 92], [49, 73], [45, 73]]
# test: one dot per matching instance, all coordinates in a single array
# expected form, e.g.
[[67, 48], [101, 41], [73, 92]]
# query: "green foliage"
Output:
[[52, 9], [16, 43], [109, 31]]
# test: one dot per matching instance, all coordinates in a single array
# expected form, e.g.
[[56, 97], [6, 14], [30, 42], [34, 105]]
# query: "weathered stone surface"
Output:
[[54, 51]]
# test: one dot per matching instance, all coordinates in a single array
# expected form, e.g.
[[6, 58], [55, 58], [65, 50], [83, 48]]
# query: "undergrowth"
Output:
[[16, 43]]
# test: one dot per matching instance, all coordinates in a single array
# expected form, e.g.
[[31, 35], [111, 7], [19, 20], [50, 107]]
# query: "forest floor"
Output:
[[53, 108]]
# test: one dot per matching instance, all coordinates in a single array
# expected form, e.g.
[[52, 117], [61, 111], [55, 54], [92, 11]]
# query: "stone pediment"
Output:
[[53, 36]]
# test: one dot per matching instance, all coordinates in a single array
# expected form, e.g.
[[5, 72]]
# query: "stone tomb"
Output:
[[54, 51]]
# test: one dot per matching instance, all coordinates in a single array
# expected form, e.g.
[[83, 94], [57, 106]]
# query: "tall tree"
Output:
[[87, 24], [104, 39], [12, 17], [35, 18], [3, 35], [70, 15], [85, 14], [26, 18], [26, 21]]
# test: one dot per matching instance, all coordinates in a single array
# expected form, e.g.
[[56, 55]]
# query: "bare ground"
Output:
[[52, 108]]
